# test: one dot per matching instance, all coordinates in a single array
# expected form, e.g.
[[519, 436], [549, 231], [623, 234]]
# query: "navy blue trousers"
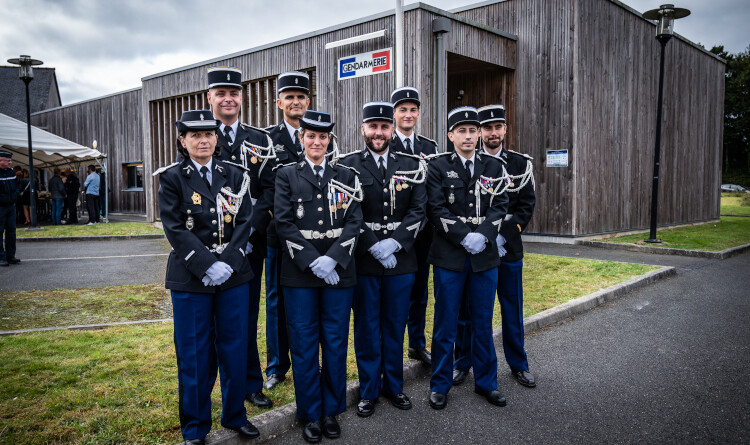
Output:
[[277, 334], [418, 305], [319, 319], [381, 307], [510, 295], [197, 353], [8, 231], [477, 291], [254, 381]]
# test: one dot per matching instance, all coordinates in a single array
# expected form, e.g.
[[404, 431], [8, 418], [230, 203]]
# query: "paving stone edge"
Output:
[[720, 255], [41, 239]]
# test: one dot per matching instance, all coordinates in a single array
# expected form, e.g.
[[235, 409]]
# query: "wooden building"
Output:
[[114, 121], [579, 79]]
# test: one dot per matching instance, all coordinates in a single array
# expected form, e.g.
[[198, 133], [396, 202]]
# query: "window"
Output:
[[133, 175]]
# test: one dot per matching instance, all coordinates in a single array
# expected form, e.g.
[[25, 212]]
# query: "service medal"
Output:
[[491, 190], [406, 186], [344, 206], [451, 198], [511, 184], [338, 204], [227, 218], [254, 160], [196, 198], [189, 223], [399, 187]]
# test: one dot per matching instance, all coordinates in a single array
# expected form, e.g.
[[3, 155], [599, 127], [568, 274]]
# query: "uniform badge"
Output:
[[227, 218], [189, 223], [451, 198], [196, 198], [452, 174], [300, 210]]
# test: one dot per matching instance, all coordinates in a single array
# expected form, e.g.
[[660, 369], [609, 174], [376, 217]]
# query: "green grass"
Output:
[[120, 228], [729, 232], [735, 203], [67, 307], [120, 384]]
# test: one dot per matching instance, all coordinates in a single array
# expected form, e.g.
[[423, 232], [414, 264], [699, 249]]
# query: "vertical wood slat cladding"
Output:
[[114, 121], [588, 80]]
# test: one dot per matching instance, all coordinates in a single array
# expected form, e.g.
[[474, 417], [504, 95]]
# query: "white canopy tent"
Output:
[[49, 150]]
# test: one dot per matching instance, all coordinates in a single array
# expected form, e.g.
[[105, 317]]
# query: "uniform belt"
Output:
[[314, 234], [473, 219], [378, 226]]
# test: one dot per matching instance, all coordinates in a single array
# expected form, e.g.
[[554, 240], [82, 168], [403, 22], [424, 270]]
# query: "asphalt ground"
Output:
[[77, 264], [665, 364]]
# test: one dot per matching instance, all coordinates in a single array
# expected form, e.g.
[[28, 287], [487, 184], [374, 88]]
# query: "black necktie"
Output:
[[468, 169], [319, 173], [382, 167], [227, 134], [408, 146], [296, 141], [204, 175]]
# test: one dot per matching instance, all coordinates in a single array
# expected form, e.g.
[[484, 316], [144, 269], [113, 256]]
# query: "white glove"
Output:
[[219, 272], [384, 248], [332, 279], [207, 281], [474, 242], [248, 248], [500, 243], [389, 262], [323, 266]]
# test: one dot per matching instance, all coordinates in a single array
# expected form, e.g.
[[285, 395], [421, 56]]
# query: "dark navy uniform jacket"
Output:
[[261, 180], [302, 205], [286, 153], [520, 204], [402, 225], [422, 145], [451, 208], [184, 195], [8, 187]]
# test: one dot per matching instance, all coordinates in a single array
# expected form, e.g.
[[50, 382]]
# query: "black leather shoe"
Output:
[[495, 397], [13, 260], [195, 442], [311, 432], [331, 427], [400, 401], [459, 376], [259, 399], [525, 378], [421, 354], [273, 380], [248, 431], [365, 407], [4, 263], [438, 400]]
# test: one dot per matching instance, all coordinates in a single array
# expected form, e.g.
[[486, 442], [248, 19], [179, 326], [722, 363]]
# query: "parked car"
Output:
[[734, 188]]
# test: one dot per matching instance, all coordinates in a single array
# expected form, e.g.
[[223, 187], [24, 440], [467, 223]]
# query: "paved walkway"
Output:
[[666, 364]]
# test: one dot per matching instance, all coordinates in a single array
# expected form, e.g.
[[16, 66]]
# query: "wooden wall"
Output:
[[115, 123], [587, 80]]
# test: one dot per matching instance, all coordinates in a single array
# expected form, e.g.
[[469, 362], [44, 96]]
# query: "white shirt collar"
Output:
[[403, 138], [291, 130], [233, 127], [312, 164], [198, 166], [376, 157], [472, 159]]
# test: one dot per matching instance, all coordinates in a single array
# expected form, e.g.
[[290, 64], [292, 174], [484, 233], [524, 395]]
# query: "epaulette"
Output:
[[163, 169], [521, 154], [278, 166], [400, 153], [349, 154], [437, 155], [262, 130], [236, 165], [487, 155], [346, 166], [427, 139], [270, 128]]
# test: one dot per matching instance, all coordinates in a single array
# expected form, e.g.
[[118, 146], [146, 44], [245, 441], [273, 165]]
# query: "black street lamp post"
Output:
[[27, 75], [664, 17]]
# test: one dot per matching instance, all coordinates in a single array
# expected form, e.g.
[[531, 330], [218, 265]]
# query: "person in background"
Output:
[[72, 186], [91, 187], [56, 189], [25, 193], [8, 197], [103, 203]]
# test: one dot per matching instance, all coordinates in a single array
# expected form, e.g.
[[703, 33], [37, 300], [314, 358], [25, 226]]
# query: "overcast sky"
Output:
[[100, 47]]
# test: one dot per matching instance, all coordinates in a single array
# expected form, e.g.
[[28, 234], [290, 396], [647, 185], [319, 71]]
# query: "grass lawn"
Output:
[[729, 232], [119, 228], [735, 204], [120, 384]]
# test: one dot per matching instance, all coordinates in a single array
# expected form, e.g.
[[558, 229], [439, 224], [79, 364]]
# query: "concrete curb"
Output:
[[721, 255], [89, 238], [83, 327], [280, 420], [737, 216]]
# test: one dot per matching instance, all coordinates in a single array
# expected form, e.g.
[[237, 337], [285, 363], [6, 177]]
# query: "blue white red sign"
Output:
[[365, 64]]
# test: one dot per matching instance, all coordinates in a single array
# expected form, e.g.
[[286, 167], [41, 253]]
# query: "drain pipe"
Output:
[[440, 26]]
